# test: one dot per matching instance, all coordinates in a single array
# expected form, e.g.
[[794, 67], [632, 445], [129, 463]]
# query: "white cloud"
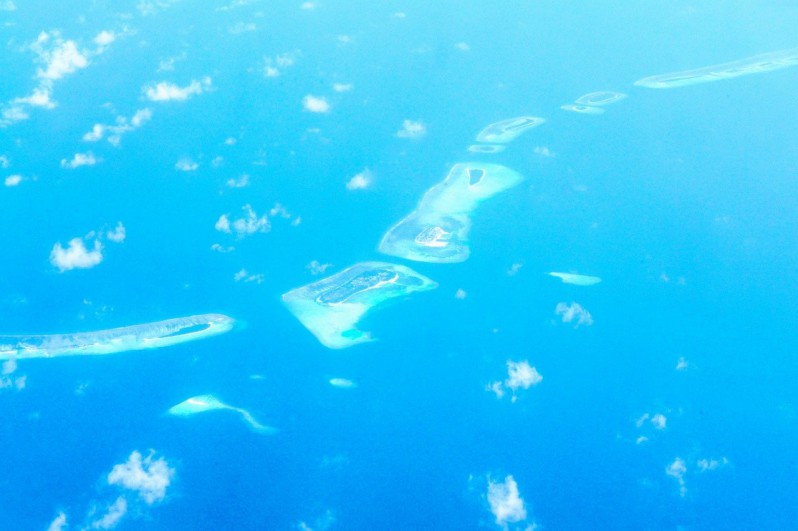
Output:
[[64, 58], [543, 151], [221, 249], [122, 126], [659, 421], [13, 180], [244, 276], [342, 87], [117, 235], [229, 141], [58, 523], [242, 27], [309, 6], [112, 516], [186, 164], [460, 294], [682, 364], [80, 159], [345, 39], [573, 312], [317, 268], [273, 66], [520, 375], [39, 98], [505, 502], [147, 476], [361, 181], [411, 129], [9, 367], [76, 256], [104, 38], [165, 91], [463, 46], [244, 226], [677, 469], [241, 182], [234, 4], [4, 162], [706, 465], [315, 104], [7, 5]]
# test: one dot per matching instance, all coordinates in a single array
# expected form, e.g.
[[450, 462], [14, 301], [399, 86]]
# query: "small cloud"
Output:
[[7, 381], [682, 364], [244, 276], [273, 66], [241, 182], [76, 255], [460, 294], [4, 162], [361, 181], [573, 313], [412, 130], [505, 502], [399, 14], [309, 6], [706, 465], [39, 98], [13, 180], [345, 39], [80, 159], [315, 104], [64, 58], [165, 91], [230, 141], [317, 268], [244, 226], [677, 469], [117, 235], [116, 130], [543, 151], [186, 164], [514, 269], [59, 523], [242, 27], [220, 248], [659, 421], [113, 515], [520, 375], [104, 38], [463, 47], [342, 87], [7, 5], [147, 476]]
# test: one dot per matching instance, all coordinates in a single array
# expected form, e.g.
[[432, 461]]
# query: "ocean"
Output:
[[399, 265]]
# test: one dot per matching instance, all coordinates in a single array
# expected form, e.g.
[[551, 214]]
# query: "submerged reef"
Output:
[[578, 280], [331, 308], [604, 97], [437, 231], [750, 65], [114, 340], [203, 403], [582, 109], [505, 131]]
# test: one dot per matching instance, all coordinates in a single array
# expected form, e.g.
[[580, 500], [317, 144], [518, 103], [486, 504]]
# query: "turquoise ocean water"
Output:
[[131, 131]]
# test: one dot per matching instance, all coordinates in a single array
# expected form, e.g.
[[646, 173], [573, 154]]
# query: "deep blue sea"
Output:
[[170, 158]]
